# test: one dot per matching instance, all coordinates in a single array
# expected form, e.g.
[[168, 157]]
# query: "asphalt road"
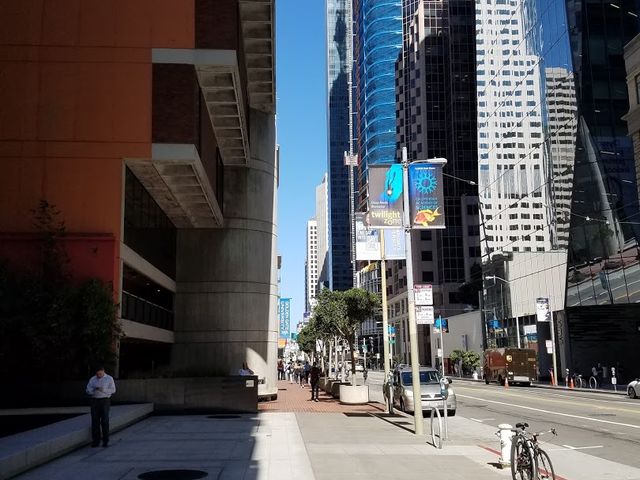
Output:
[[600, 424]]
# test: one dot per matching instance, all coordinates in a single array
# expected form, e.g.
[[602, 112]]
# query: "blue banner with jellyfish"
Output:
[[385, 196], [426, 197]]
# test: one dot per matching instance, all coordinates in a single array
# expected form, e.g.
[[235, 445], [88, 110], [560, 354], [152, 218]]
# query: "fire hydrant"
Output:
[[505, 433]]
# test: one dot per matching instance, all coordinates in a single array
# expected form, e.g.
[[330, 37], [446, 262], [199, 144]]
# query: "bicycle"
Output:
[[528, 460], [582, 383]]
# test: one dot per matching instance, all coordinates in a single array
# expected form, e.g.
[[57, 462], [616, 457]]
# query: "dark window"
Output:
[[147, 229], [427, 256], [427, 276]]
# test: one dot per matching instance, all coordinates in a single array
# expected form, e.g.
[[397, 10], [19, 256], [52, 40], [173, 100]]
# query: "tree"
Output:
[[360, 305], [51, 327], [469, 360]]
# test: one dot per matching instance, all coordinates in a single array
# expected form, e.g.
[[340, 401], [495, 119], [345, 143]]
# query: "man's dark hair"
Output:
[[98, 368]]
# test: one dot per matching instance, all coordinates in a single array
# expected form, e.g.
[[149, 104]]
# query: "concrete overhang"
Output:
[[178, 182], [257, 23], [219, 78]]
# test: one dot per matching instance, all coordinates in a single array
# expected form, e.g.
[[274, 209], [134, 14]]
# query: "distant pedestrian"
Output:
[[307, 369], [281, 375], [314, 378], [100, 388]]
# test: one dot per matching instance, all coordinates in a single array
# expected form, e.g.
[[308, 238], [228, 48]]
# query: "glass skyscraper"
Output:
[[340, 273], [377, 45], [557, 177]]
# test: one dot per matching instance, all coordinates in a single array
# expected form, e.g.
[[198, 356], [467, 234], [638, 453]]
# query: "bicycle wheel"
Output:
[[545, 468], [523, 463], [436, 428], [593, 383]]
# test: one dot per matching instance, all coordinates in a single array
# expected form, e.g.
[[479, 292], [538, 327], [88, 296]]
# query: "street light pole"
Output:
[[494, 278], [413, 330]]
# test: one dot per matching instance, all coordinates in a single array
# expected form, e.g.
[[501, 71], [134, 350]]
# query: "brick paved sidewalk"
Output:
[[294, 398]]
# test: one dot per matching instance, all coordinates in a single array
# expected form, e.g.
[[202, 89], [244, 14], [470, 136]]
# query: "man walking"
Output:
[[314, 378], [100, 388]]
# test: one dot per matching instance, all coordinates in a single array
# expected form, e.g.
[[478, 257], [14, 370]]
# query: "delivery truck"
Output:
[[518, 365]]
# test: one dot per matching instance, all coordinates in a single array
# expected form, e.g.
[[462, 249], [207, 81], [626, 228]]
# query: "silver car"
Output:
[[429, 390], [633, 389]]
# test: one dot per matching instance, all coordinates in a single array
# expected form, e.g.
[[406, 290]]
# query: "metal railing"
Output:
[[142, 311]]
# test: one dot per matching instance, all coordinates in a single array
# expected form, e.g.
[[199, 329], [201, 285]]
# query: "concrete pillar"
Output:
[[226, 300]]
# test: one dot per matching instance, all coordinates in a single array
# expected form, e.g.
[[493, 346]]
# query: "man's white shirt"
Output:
[[106, 384]]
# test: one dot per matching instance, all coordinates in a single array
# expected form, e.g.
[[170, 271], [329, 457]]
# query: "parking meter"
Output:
[[444, 388]]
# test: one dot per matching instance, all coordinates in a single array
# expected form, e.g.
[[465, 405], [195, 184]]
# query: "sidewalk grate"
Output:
[[356, 414], [173, 475]]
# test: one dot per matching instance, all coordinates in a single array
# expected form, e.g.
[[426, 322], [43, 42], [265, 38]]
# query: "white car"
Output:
[[633, 389]]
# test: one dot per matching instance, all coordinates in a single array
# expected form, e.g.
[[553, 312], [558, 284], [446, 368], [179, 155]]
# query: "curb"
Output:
[[552, 387]]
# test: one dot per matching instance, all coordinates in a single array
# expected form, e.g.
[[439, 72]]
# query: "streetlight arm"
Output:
[[495, 277]]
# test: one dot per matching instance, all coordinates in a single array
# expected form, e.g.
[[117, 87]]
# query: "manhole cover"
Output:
[[173, 475], [217, 417]]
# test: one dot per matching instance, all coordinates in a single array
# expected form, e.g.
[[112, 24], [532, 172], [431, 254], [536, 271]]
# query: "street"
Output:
[[602, 425]]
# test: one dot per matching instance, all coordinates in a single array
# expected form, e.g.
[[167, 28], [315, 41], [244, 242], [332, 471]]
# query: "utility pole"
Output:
[[385, 315], [413, 329]]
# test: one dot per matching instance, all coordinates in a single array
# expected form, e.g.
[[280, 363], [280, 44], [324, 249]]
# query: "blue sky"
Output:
[[301, 117]]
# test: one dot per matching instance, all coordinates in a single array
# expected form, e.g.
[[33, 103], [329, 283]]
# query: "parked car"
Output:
[[633, 389], [429, 390]]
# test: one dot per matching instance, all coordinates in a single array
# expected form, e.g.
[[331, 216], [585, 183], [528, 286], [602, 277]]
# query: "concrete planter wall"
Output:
[[354, 395], [226, 394], [335, 388]]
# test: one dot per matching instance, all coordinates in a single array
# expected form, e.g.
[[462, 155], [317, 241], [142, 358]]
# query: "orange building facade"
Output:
[[143, 122]]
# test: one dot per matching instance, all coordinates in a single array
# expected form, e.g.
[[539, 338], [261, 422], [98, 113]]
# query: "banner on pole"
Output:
[[385, 196], [284, 317], [368, 242], [542, 310], [426, 196]]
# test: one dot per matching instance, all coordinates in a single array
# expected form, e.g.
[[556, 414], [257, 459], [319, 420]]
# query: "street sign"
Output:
[[423, 294], [441, 322], [424, 315], [439, 353], [542, 310]]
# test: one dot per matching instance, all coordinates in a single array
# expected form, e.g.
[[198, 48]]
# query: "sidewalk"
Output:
[[294, 398], [323, 440]]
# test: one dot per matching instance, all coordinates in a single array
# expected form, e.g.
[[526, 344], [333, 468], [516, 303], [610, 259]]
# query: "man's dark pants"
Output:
[[315, 389], [100, 419]]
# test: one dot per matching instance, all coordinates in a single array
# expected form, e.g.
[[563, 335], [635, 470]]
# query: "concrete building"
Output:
[[339, 268], [322, 221], [632, 62], [151, 128], [311, 266], [558, 176]]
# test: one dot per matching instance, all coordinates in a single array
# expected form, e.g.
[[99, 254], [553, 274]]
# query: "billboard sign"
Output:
[[284, 317], [423, 294], [385, 196], [368, 242], [426, 196], [542, 309]]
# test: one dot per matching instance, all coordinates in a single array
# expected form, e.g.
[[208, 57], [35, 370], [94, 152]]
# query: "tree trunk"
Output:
[[351, 341]]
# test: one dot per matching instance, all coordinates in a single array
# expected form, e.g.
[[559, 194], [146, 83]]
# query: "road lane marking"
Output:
[[496, 452], [581, 448], [480, 420], [609, 422], [573, 401]]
